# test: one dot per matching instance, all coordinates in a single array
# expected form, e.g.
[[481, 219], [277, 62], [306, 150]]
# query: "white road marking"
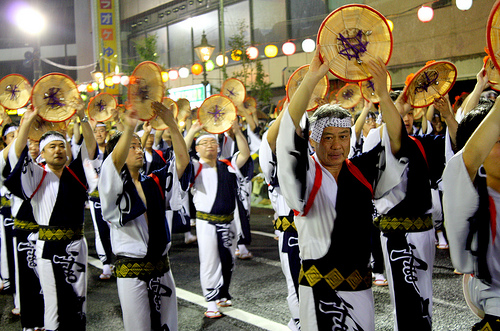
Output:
[[238, 314], [272, 235]]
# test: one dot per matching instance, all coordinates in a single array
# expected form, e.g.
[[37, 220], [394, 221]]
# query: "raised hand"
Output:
[[166, 114]]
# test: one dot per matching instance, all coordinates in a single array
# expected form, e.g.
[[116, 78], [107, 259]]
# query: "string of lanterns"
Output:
[[425, 14]]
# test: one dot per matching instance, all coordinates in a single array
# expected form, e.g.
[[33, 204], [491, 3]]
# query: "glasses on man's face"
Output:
[[208, 143]]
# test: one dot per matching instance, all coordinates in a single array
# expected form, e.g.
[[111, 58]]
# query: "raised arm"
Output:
[[120, 152], [147, 131], [28, 119], [242, 143], [178, 143], [272, 132], [195, 128], [479, 145], [443, 106], [390, 114], [301, 97], [87, 131], [473, 99], [360, 122]]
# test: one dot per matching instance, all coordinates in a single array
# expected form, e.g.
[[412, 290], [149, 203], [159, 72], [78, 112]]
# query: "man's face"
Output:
[[8, 138], [54, 153], [437, 124], [369, 124], [135, 158], [34, 148], [408, 120], [207, 148], [334, 146], [150, 141], [100, 134]]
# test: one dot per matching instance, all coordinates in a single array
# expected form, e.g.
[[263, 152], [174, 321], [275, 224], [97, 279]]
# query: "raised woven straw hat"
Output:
[[434, 80], [15, 91], [157, 123], [145, 87], [493, 34], [350, 36], [217, 113], [349, 96], [368, 89], [319, 92], [40, 126], [235, 90], [184, 109], [55, 95], [101, 107], [3, 114]]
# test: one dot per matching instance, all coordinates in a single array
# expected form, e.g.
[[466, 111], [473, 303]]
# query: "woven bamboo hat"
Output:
[[350, 36], [101, 107], [184, 109], [493, 34], [40, 126], [434, 80], [368, 89], [3, 114], [15, 91], [465, 286], [54, 95], [235, 90], [319, 91], [157, 123], [349, 96], [145, 87], [217, 113]]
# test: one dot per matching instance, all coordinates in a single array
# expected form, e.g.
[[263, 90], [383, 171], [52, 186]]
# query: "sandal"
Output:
[[213, 314], [380, 282], [16, 311], [245, 256], [224, 302], [442, 246], [104, 276]]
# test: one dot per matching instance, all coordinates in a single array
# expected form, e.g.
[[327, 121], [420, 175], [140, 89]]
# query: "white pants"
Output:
[[134, 297], [292, 299], [356, 312], [409, 264], [211, 269]]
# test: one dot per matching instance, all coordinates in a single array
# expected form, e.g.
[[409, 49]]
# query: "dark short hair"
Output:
[[111, 144], [471, 121], [370, 114]]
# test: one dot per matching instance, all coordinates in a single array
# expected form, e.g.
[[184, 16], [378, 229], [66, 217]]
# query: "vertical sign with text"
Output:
[[107, 34]]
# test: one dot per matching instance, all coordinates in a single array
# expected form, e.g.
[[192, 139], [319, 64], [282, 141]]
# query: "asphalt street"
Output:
[[258, 289]]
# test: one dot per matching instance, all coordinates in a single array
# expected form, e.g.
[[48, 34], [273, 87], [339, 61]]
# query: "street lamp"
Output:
[[31, 21], [204, 51], [97, 74]]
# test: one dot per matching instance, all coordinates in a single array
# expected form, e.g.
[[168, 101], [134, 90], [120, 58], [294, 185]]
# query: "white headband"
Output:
[[100, 124], [50, 139], [205, 136], [318, 126], [9, 130]]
